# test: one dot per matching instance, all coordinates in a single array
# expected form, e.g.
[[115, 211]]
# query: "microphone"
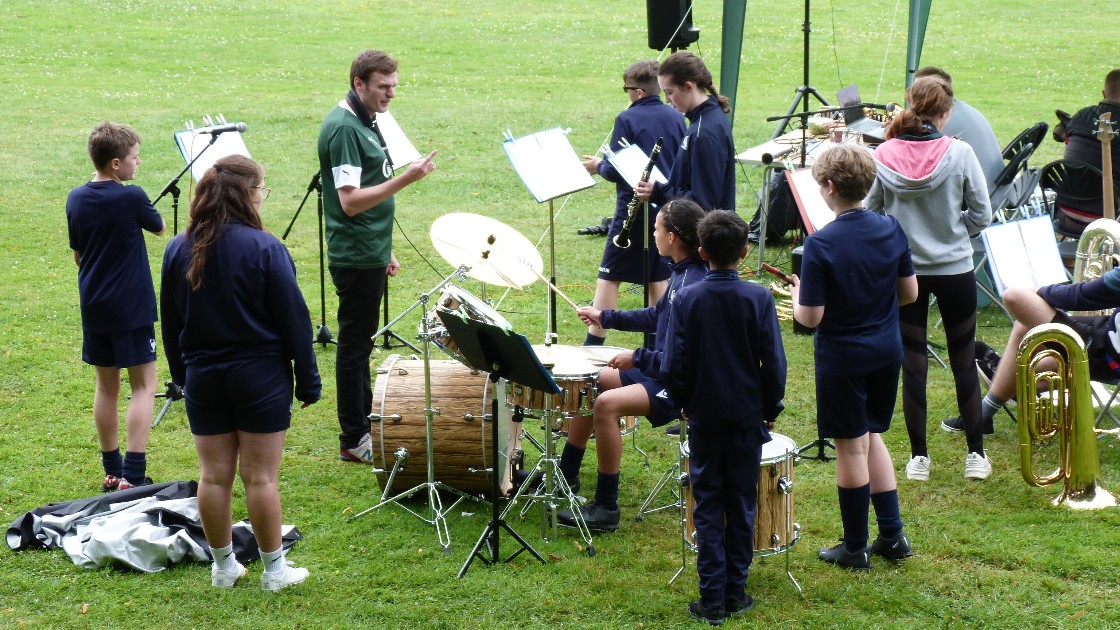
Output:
[[218, 129]]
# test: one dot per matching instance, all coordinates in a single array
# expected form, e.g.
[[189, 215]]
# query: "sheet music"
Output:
[[191, 144], [1023, 253], [630, 162], [400, 147], [814, 211], [548, 164]]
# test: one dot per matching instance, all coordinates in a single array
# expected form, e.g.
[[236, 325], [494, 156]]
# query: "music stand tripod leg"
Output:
[[491, 535]]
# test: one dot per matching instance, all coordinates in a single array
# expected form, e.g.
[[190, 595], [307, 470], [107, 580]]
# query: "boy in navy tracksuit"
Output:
[[725, 363]]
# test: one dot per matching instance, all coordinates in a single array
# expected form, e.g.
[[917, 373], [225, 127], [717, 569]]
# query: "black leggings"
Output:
[[956, 299]]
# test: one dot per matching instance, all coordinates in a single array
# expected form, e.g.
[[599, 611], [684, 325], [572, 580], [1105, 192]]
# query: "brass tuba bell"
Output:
[[1052, 383]]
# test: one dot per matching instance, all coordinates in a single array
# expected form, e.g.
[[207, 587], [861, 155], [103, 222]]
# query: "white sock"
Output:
[[273, 560], [224, 558]]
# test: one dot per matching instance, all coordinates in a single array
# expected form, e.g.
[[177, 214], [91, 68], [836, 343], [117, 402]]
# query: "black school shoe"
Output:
[[851, 560], [714, 616], [595, 516], [895, 548], [956, 425], [732, 607]]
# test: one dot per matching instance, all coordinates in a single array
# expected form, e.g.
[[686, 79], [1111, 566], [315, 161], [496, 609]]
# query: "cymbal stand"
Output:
[[437, 514], [556, 491]]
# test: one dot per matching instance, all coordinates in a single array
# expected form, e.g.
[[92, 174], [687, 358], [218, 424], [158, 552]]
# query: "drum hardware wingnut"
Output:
[[473, 470], [785, 485], [402, 454], [402, 371]]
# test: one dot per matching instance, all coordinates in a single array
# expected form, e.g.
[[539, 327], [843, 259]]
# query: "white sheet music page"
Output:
[[807, 193], [630, 162], [400, 147], [191, 144], [548, 164], [1023, 253]]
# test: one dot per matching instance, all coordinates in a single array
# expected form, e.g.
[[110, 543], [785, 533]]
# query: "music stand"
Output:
[[504, 355]]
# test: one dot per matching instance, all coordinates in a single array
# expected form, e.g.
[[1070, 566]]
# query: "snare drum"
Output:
[[461, 432], [456, 299], [574, 372], [774, 527]]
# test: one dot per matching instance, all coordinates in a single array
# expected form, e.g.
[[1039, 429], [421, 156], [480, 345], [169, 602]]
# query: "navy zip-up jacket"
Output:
[[655, 318]]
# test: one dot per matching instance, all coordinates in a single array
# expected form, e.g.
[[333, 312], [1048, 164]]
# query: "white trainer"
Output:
[[918, 468], [289, 576], [977, 466], [360, 454], [226, 578]]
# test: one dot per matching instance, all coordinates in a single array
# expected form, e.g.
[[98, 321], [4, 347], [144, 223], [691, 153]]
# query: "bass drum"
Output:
[[461, 432]]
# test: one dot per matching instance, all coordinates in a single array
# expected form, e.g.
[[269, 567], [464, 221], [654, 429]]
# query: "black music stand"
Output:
[[503, 354], [322, 333]]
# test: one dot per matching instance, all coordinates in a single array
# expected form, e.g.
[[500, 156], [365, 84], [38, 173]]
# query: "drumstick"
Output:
[[777, 272], [555, 289]]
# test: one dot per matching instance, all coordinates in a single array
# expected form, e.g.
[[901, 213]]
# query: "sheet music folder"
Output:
[[191, 144], [1023, 253], [548, 164], [400, 147], [490, 348]]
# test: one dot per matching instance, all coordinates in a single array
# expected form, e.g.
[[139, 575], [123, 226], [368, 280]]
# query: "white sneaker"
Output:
[[289, 576], [918, 468], [360, 454], [226, 578], [977, 466]]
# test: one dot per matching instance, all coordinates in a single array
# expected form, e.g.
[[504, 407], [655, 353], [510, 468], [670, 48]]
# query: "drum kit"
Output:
[[456, 454]]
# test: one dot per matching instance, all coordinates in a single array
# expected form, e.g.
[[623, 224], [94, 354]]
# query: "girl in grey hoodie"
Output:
[[935, 187]]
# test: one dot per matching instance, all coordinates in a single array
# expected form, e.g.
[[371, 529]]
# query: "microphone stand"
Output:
[[805, 90], [322, 334], [173, 185]]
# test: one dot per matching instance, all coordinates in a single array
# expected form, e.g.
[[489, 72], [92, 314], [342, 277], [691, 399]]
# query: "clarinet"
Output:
[[622, 239]]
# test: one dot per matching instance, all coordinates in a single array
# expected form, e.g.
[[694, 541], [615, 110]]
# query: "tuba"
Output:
[[1057, 401], [1098, 251]]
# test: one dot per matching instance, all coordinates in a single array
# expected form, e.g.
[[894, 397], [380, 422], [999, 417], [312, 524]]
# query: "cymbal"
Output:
[[492, 251]]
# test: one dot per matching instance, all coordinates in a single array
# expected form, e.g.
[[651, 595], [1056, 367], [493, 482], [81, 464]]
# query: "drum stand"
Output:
[[678, 473], [437, 514], [556, 491]]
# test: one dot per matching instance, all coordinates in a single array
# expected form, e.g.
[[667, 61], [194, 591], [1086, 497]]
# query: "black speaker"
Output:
[[663, 17], [795, 260]]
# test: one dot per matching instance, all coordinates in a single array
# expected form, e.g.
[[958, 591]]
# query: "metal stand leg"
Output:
[[437, 514], [554, 492], [172, 393]]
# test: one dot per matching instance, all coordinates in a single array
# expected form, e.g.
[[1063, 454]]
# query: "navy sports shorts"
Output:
[[120, 349], [851, 405], [253, 395], [662, 408]]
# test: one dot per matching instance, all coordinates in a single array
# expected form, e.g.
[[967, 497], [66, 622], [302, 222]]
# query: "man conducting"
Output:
[[358, 203]]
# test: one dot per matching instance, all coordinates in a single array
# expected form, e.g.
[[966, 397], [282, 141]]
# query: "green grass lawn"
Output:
[[994, 553]]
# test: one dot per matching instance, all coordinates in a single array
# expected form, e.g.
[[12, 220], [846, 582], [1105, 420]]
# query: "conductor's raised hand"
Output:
[[419, 169], [589, 315]]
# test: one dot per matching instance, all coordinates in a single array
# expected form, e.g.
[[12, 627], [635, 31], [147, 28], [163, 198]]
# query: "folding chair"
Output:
[[1078, 200]]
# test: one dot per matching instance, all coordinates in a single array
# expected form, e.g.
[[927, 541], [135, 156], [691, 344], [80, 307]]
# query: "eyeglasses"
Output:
[[627, 88], [265, 191]]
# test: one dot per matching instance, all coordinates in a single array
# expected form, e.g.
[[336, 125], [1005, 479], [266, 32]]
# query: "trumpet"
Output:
[[1064, 409], [622, 239]]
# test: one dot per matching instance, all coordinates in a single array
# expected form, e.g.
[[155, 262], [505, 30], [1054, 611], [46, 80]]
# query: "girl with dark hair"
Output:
[[630, 385], [234, 322], [935, 187], [704, 168]]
